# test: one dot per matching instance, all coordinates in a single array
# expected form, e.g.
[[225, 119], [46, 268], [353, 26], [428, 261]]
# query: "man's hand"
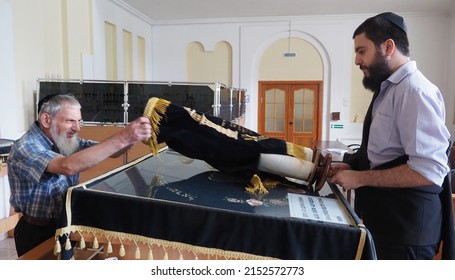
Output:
[[347, 179], [342, 175], [137, 130]]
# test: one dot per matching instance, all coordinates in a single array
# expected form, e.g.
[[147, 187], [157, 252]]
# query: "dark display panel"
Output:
[[118, 102], [238, 101], [101, 102], [198, 97], [225, 111]]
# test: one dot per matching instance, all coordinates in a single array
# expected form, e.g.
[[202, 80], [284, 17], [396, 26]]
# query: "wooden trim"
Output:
[[9, 223]]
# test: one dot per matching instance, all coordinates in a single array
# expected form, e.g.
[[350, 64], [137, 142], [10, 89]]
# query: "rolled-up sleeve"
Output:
[[424, 134]]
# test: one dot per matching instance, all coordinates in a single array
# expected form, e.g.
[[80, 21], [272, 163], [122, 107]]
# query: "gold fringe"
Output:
[[166, 255], [95, 243], [109, 247], [122, 251], [154, 111], [150, 256], [82, 242], [137, 254], [296, 151], [68, 244], [256, 186], [165, 244], [270, 184], [57, 247]]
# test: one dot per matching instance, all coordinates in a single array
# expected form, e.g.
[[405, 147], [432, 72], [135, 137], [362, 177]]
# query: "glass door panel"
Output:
[[275, 110]]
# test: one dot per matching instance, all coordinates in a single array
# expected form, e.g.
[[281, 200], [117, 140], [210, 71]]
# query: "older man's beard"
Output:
[[379, 72], [66, 146]]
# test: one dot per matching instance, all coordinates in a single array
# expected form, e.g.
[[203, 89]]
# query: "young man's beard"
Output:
[[379, 71], [66, 146]]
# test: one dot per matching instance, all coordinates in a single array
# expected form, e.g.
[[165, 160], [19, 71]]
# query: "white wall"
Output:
[[8, 123], [450, 94], [53, 39], [256, 37], [113, 12], [170, 43], [432, 45], [77, 39], [37, 51]]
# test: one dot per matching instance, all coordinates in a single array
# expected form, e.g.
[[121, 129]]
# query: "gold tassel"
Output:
[[296, 151], [82, 243], [67, 244], [109, 247], [154, 111], [166, 256], [150, 256], [256, 186], [122, 251], [270, 184], [57, 247], [95, 243], [137, 255]]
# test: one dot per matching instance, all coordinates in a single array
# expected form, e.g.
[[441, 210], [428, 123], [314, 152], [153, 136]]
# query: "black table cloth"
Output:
[[174, 201]]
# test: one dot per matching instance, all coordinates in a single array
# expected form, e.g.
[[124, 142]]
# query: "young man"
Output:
[[47, 160], [402, 162]]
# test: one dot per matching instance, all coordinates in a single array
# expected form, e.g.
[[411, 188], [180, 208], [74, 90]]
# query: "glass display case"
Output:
[[118, 102]]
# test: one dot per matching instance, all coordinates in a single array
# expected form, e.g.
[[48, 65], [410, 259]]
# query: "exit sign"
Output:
[[336, 125]]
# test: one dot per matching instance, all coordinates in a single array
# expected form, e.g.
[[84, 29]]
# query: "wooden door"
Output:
[[291, 111]]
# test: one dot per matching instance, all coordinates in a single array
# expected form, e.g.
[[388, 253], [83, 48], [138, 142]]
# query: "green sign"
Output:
[[339, 126]]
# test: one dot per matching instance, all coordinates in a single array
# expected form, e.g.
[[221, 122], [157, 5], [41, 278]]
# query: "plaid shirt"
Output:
[[34, 191]]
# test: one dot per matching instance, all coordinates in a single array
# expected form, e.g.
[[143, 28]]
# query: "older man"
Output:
[[47, 160]]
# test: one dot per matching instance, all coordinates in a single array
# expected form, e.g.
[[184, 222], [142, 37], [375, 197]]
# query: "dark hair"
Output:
[[379, 29]]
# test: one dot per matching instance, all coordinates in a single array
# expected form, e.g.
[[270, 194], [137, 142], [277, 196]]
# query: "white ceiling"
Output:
[[178, 10]]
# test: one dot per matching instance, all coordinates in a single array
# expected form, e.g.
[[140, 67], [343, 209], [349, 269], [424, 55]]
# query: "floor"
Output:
[[7, 249]]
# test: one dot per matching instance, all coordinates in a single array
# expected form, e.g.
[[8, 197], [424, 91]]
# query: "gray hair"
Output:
[[55, 103]]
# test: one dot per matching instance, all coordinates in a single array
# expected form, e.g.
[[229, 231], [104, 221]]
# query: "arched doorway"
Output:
[[291, 111], [290, 92]]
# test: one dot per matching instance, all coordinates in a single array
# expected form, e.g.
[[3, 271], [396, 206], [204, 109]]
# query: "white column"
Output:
[[4, 198]]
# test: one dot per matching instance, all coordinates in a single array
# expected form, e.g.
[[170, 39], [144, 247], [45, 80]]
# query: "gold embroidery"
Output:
[[202, 120]]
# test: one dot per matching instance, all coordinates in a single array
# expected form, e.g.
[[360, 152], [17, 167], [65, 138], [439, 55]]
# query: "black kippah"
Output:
[[45, 99], [395, 19]]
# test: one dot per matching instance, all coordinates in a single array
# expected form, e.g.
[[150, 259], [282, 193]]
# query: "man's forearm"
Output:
[[401, 176], [87, 158]]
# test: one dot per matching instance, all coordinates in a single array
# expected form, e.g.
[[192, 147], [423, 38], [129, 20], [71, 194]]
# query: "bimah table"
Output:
[[172, 207]]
